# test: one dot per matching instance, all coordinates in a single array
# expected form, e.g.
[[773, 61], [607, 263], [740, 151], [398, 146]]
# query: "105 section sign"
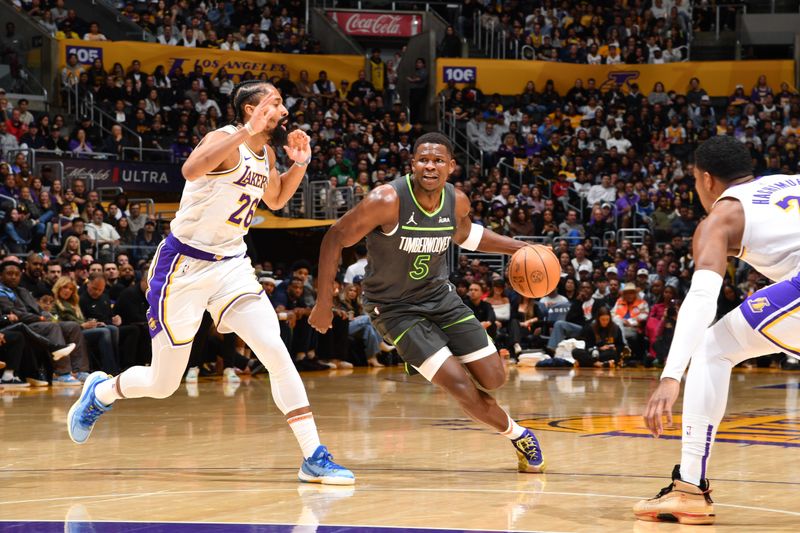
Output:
[[377, 24]]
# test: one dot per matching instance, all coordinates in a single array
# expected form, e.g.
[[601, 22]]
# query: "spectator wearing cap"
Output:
[[630, 313], [602, 293], [32, 276], [643, 280], [146, 241], [181, 148]]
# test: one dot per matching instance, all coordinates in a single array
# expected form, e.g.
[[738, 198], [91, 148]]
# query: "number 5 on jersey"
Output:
[[420, 267], [245, 203]]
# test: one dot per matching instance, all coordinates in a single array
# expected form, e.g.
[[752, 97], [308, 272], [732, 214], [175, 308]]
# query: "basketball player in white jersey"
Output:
[[202, 265], [758, 221]]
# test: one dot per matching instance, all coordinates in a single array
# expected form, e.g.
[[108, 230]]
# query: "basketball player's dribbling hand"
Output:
[[298, 146], [320, 318], [660, 404]]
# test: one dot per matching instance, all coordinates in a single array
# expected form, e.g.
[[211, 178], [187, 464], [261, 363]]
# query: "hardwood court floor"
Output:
[[221, 456]]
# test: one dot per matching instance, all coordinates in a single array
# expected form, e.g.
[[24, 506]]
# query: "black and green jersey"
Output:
[[410, 263]]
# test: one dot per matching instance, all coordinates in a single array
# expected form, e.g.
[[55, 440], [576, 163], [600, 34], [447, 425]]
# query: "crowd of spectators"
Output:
[[571, 168], [586, 32], [259, 26], [575, 169]]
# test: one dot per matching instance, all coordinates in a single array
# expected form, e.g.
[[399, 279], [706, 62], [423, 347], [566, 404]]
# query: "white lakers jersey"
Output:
[[771, 239], [217, 209]]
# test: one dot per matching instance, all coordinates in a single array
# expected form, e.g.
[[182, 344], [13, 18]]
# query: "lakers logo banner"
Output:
[[718, 78], [338, 67]]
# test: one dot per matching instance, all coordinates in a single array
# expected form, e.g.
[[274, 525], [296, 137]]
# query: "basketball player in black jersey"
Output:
[[409, 225]]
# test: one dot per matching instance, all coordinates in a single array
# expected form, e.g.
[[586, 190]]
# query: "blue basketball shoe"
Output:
[[529, 453], [320, 468], [85, 412]]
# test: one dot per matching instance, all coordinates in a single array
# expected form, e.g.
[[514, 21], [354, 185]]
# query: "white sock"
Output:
[[698, 434], [725, 344], [305, 431], [8, 375], [514, 430], [106, 391]]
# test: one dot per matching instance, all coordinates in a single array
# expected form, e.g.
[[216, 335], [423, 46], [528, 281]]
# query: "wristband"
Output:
[[304, 163], [474, 238], [282, 316], [249, 129]]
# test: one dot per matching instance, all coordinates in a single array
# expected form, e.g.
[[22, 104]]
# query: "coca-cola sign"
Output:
[[377, 24]]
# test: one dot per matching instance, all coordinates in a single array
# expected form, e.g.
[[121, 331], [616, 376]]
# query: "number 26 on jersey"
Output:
[[244, 213]]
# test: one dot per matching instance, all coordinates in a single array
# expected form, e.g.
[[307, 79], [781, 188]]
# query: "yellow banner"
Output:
[[718, 78], [262, 220], [151, 55]]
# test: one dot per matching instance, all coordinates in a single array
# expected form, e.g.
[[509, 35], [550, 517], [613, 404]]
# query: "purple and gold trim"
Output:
[[234, 300], [173, 243], [768, 307]]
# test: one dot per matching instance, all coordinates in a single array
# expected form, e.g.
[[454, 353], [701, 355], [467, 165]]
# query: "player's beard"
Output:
[[279, 136]]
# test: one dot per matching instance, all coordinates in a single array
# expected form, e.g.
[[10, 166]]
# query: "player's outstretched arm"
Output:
[[281, 187], [379, 209], [479, 238], [717, 237], [218, 150]]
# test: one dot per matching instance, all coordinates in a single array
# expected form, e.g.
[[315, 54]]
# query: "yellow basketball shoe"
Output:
[[679, 502]]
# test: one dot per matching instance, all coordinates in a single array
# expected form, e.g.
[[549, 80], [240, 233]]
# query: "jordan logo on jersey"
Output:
[[411, 219], [251, 177]]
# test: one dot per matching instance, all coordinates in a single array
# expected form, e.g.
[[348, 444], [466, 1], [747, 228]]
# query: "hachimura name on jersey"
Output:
[[764, 194]]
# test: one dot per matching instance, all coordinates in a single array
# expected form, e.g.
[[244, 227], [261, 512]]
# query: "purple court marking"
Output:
[[780, 386], [184, 527]]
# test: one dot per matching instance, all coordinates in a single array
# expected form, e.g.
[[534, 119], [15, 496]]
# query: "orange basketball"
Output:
[[534, 271]]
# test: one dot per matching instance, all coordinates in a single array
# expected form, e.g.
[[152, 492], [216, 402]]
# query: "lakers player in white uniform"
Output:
[[758, 221], [202, 265]]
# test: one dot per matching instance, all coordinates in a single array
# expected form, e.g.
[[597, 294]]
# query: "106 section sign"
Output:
[[377, 24]]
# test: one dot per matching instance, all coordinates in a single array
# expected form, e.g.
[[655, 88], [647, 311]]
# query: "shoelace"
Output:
[[529, 447], [326, 461], [665, 490], [91, 415]]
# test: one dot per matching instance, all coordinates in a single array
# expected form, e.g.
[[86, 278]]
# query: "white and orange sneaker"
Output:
[[679, 502]]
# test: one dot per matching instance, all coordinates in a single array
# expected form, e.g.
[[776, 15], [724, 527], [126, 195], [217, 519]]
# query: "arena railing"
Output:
[[535, 239], [152, 154], [79, 104], [104, 193], [636, 236], [148, 203], [495, 262], [495, 43], [11, 199], [317, 204], [462, 143], [40, 167]]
